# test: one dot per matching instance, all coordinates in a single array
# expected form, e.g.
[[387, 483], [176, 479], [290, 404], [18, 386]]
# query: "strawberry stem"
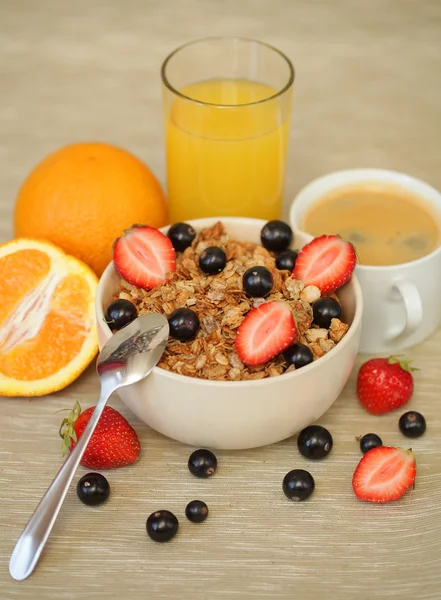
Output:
[[404, 364], [67, 430]]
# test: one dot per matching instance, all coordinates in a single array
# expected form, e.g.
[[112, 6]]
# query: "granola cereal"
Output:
[[221, 305]]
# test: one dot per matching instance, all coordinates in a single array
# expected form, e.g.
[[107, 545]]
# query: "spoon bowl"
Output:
[[132, 352]]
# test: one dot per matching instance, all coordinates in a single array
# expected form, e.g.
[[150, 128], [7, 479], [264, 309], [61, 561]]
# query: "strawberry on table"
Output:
[[114, 442], [326, 262], [384, 384], [144, 256], [265, 332], [384, 474]]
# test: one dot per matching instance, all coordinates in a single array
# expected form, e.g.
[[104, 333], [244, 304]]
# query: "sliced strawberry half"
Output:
[[143, 256], [326, 262], [265, 332], [384, 474]]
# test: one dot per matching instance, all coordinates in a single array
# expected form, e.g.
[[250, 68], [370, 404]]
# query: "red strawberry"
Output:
[[265, 332], [143, 256], [384, 474], [326, 262], [114, 442], [384, 384]]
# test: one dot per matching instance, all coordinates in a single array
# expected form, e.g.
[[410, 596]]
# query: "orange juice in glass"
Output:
[[227, 105]]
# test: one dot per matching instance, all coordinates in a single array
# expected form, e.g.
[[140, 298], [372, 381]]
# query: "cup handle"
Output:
[[413, 306]]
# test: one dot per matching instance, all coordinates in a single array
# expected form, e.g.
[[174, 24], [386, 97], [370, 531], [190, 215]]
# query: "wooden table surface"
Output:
[[368, 93]]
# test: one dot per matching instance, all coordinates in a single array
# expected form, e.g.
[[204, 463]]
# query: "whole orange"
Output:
[[81, 197]]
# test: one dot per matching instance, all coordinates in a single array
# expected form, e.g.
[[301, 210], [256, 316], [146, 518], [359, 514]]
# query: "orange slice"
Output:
[[48, 330]]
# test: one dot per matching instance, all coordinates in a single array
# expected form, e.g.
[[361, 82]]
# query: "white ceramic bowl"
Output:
[[243, 414]]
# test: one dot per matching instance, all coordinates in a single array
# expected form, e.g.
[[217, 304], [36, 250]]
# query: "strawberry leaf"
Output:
[[67, 430], [404, 364]]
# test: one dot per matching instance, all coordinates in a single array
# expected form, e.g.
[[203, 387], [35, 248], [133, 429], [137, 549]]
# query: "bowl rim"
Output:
[[206, 222]]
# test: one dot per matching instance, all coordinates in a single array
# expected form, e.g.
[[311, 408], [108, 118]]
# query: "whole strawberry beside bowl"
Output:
[[113, 444], [384, 384]]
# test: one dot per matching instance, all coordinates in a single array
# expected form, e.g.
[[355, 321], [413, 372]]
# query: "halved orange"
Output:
[[48, 330]]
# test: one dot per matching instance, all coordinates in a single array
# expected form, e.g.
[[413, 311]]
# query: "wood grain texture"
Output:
[[368, 93]]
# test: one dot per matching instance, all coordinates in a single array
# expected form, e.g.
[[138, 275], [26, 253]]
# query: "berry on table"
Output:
[[120, 313], [369, 441], [181, 236], [298, 485], [196, 511], [384, 384], [113, 444], [93, 489], [266, 331], [384, 474], [298, 355], [162, 526], [324, 310], [276, 236], [315, 442], [212, 260], [286, 260], [257, 282], [412, 424], [202, 463], [183, 323], [326, 262]]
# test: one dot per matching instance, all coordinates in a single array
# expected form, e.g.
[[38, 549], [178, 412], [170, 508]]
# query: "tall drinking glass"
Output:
[[227, 105]]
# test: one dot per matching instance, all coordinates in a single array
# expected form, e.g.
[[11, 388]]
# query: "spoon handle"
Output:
[[33, 539]]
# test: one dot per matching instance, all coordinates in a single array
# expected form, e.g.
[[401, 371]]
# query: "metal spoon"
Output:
[[129, 356]]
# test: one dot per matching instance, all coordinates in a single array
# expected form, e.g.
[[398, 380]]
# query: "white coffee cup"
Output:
[[402, 303]]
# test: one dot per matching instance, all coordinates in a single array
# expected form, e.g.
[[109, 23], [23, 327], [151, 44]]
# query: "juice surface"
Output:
[[226, 160]]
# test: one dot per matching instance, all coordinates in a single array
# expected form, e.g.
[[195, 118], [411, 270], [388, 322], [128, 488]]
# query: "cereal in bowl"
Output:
[[233, 314]]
